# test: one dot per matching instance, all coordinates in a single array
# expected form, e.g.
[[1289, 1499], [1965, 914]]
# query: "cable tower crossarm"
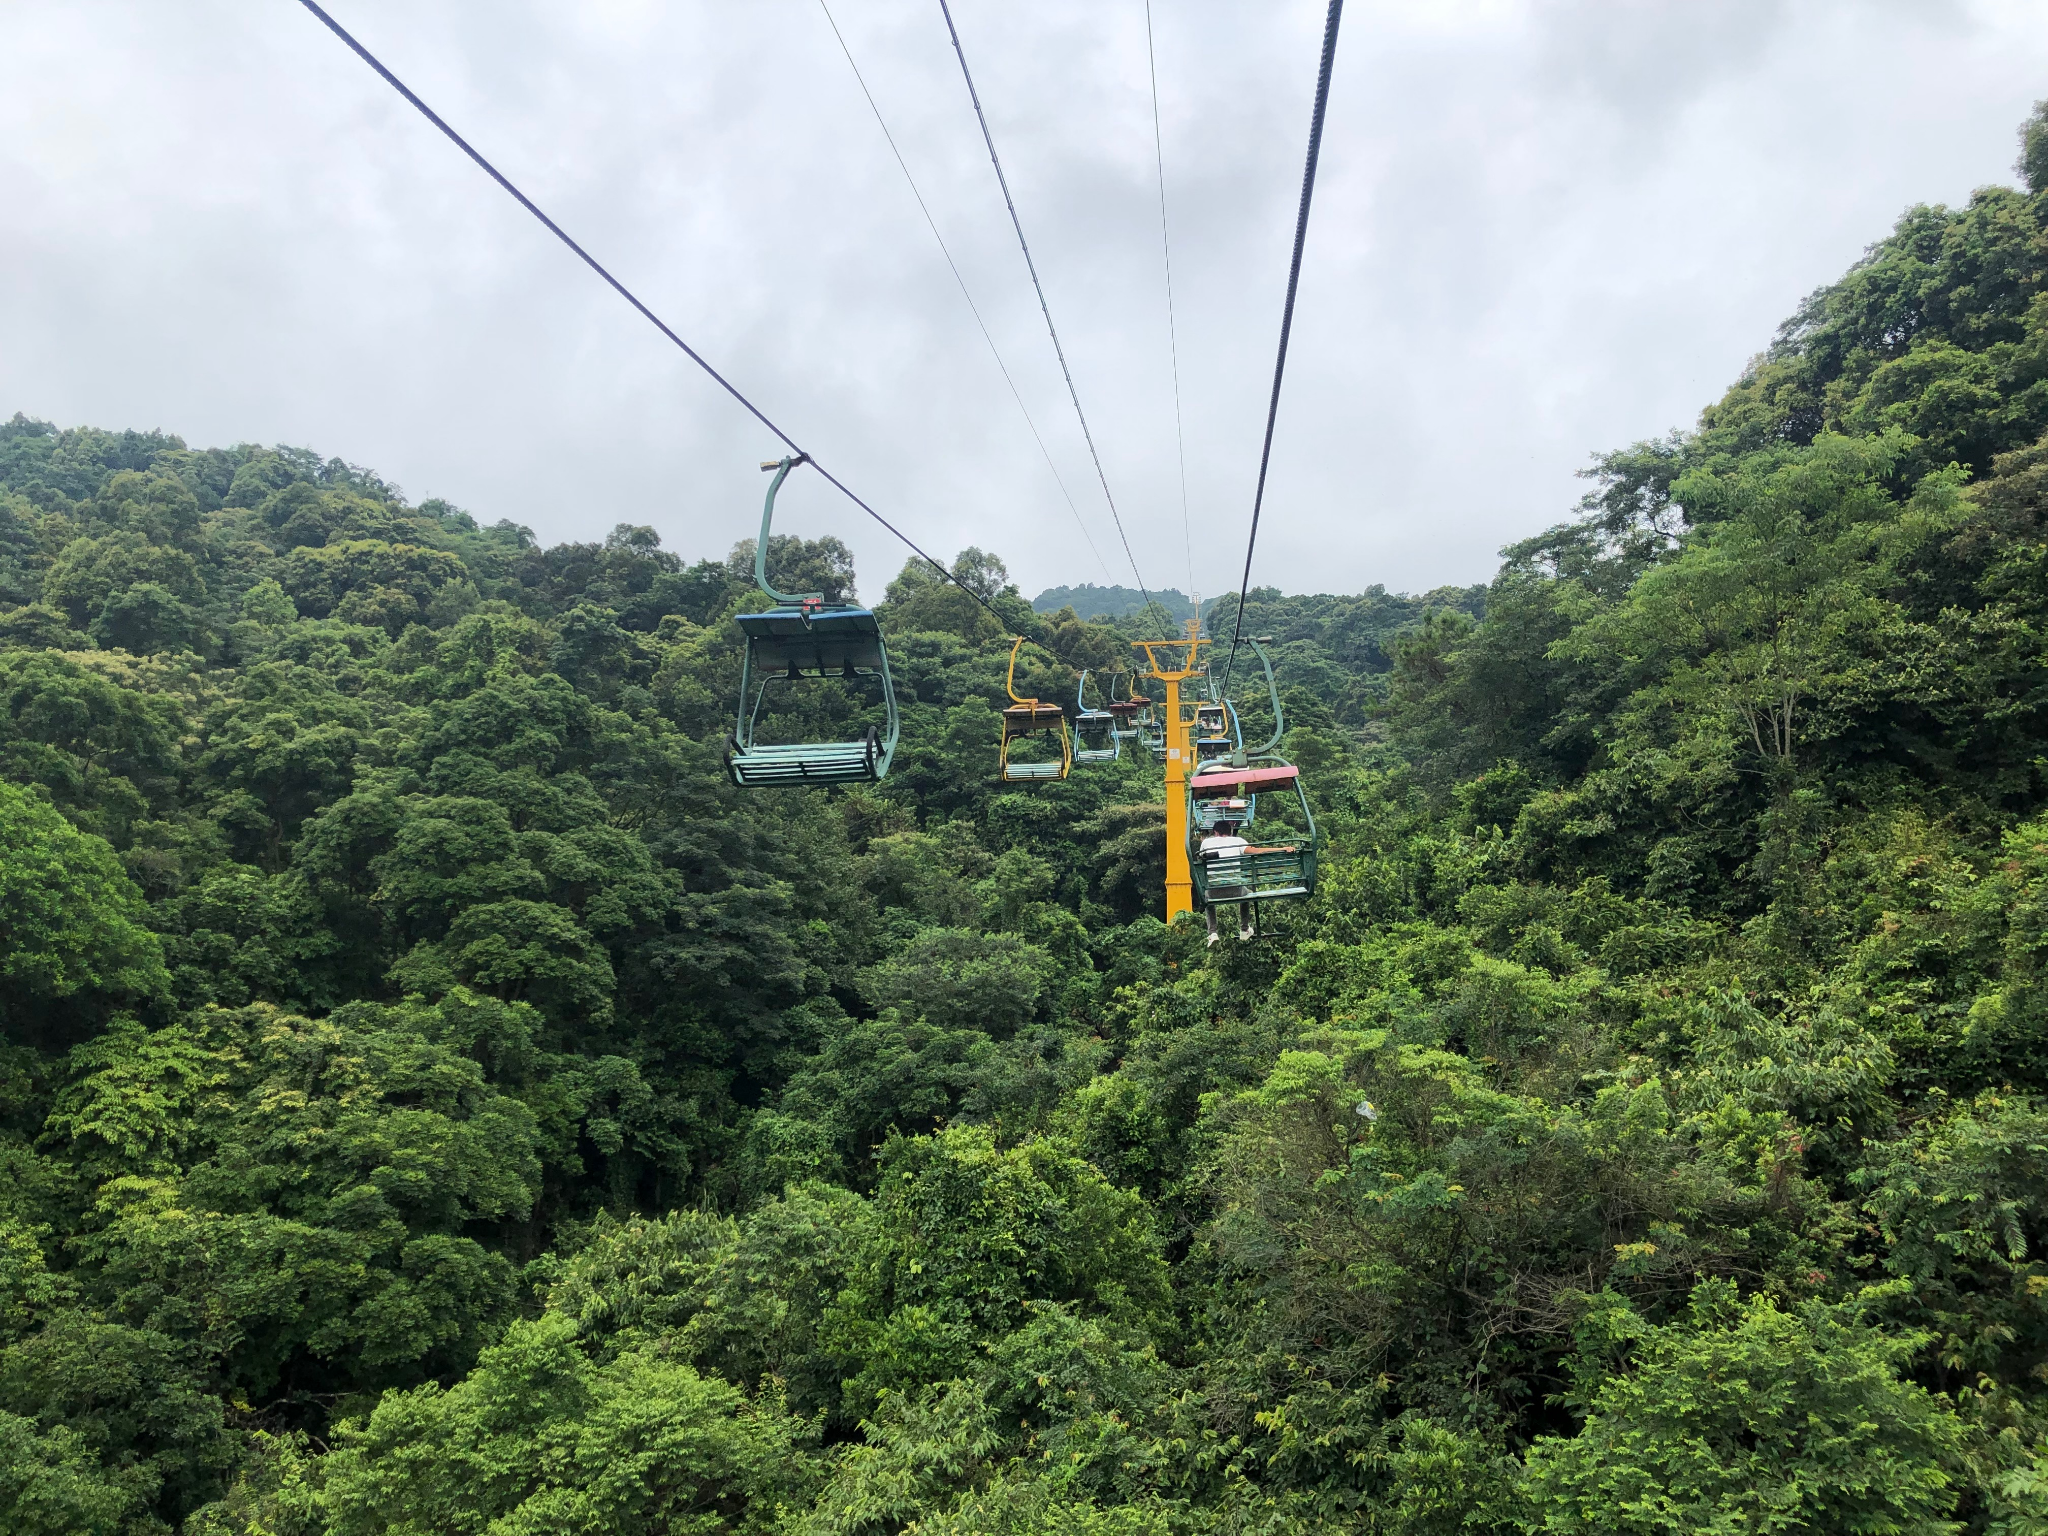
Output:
[[1180, 443], [1308, 190], [1031, 266], [633, 299], [973, 308]]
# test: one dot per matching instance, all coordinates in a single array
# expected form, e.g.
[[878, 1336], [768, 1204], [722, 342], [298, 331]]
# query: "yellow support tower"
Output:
[[1180, 756]]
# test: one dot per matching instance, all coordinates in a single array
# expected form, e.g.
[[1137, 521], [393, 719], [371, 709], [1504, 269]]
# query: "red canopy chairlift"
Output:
[[1223, 791]]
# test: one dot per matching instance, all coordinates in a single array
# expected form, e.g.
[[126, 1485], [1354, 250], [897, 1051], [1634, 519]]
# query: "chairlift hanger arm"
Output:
[[972, 308], [1031, 266], [1259, 644], [782, 467], [1010, 680], [1331, 22]]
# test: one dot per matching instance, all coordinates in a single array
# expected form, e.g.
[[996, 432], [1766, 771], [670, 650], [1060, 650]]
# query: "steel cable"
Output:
[[1308, 189], [1172, 334], [1044, 308], [628, 295], [973, 308]]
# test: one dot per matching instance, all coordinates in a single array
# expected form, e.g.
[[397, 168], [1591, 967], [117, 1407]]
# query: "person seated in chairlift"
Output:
[[1225, 841]]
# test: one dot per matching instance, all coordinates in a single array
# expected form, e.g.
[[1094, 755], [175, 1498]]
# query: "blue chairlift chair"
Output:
[[1095, 733], [805, 637]]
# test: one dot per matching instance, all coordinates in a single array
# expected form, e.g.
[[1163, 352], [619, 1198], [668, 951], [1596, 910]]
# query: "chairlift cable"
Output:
[[1308, 188], [628, 295], [1172, 336], [880, 122], [1044, 308]]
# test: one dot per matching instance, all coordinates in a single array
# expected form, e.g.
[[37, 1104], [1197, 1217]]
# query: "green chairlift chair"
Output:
[[1277, 871], [805, 637], [1095, 733], [1125, 713], [1226, 789]]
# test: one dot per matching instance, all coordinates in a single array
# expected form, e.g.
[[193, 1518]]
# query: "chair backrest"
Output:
[[1204, 814], [1031, 717]]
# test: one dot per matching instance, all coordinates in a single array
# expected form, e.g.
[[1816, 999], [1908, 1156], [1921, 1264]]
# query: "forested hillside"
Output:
[[434, 1100], [1093, 602]]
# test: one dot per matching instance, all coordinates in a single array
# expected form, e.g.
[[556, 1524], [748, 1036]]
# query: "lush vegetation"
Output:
[[433, 1100]]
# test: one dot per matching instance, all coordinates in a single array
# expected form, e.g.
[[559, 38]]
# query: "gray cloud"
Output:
[[1542, 229]]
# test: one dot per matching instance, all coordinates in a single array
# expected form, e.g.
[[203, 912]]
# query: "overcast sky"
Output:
[[1542, 229]]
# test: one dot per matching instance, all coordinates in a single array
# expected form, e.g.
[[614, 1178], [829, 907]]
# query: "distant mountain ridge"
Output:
[[1091, 601]]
